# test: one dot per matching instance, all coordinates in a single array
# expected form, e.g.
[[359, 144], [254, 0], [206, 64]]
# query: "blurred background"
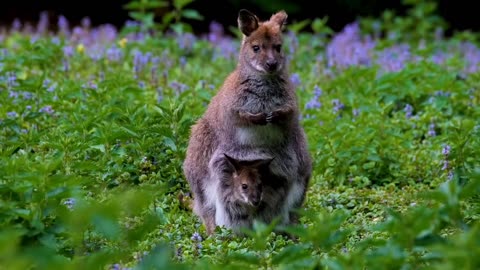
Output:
[[459, 14]]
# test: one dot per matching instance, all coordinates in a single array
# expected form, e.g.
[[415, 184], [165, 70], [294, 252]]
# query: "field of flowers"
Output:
[[94, 123]]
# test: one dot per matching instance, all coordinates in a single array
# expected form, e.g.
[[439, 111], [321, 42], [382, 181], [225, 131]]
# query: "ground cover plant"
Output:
[[94, 122]]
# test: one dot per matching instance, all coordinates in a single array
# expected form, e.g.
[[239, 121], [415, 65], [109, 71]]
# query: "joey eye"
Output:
[[256, 48], [277, 47], [244, 186]]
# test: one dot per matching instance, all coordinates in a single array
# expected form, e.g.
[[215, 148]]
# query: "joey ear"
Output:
[[280, 18], [258, 163], [247, 22], [233, 162]]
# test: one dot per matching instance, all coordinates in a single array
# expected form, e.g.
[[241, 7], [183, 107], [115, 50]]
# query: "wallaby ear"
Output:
[[247, 22], [233, 162], [259, 163], [280, 18]]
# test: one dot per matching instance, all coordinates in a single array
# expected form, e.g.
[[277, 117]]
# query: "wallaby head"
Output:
[[262, 42], [247, 181]]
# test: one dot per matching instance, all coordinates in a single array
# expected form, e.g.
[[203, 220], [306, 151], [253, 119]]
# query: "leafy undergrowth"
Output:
[[94, 126]]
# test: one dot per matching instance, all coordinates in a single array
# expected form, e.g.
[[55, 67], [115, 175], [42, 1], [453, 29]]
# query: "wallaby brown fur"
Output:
[[255, 110]]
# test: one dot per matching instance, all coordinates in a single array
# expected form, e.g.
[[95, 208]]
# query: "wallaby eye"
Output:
[[256, 48], [244, 186], [277, 47]]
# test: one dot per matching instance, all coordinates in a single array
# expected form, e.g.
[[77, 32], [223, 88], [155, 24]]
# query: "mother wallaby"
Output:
[[255, 110]]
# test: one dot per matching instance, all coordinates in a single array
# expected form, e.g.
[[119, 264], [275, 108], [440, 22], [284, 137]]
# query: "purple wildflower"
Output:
[[114, 54], [95, 53], [347, 48], [317, 91], [140, 60], [68, 51], [16, 25], [337, 106], [154, 71], [63, 25], [12, 79], [216, 32], [55, 40], [441, 93], [431, 130], [225, 48], [13, 94], [132, 24], [183, 61], [90, 85], [446, 165], [356, 112], [65, 65], [450, 175], [408, 111], [12, 114], [446, 150], [295, 79], [394, 59], [159, 94], [471, 55], [45, 83], [440, 57], [186, 41], [47, 109], [70, 203], [196, 237], [314, 103], [178, 87], [43, 23], [293, 44], [27, 95], [86, 22]]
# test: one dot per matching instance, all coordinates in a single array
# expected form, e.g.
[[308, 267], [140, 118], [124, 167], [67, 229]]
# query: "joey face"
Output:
[[247, 179], [262, 43], [248, 185]]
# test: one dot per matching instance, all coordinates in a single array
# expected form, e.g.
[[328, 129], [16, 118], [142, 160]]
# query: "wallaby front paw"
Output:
[[280, 114], [254, 118]]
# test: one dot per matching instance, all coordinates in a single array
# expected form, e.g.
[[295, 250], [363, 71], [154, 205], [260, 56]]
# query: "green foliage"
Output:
[[145, 11], [420, 23], [91, 156]]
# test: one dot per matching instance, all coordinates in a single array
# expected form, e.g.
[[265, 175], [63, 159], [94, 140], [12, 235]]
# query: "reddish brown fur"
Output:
[[256, 108]]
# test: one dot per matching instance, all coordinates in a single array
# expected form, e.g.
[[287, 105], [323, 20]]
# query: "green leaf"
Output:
[[100, 147], [191, 14], [180, 4], [291, 254]]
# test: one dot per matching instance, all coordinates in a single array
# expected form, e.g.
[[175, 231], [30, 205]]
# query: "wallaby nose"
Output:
[[272, 65], [256, 202]]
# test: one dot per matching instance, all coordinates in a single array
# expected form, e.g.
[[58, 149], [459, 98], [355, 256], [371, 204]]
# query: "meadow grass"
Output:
[[94, 124]]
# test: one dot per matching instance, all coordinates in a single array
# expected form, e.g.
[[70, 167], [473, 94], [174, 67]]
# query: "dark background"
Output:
[[459, 14]]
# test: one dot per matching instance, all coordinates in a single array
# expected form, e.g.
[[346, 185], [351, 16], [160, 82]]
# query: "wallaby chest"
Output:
[[261, 96]]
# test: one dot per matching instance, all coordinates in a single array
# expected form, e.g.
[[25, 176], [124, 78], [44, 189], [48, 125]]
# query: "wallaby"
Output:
[[239, 190], [256, 109]]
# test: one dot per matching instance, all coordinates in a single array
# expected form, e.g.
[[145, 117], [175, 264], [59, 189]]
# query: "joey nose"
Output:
[[256, 202], [272, 65]]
